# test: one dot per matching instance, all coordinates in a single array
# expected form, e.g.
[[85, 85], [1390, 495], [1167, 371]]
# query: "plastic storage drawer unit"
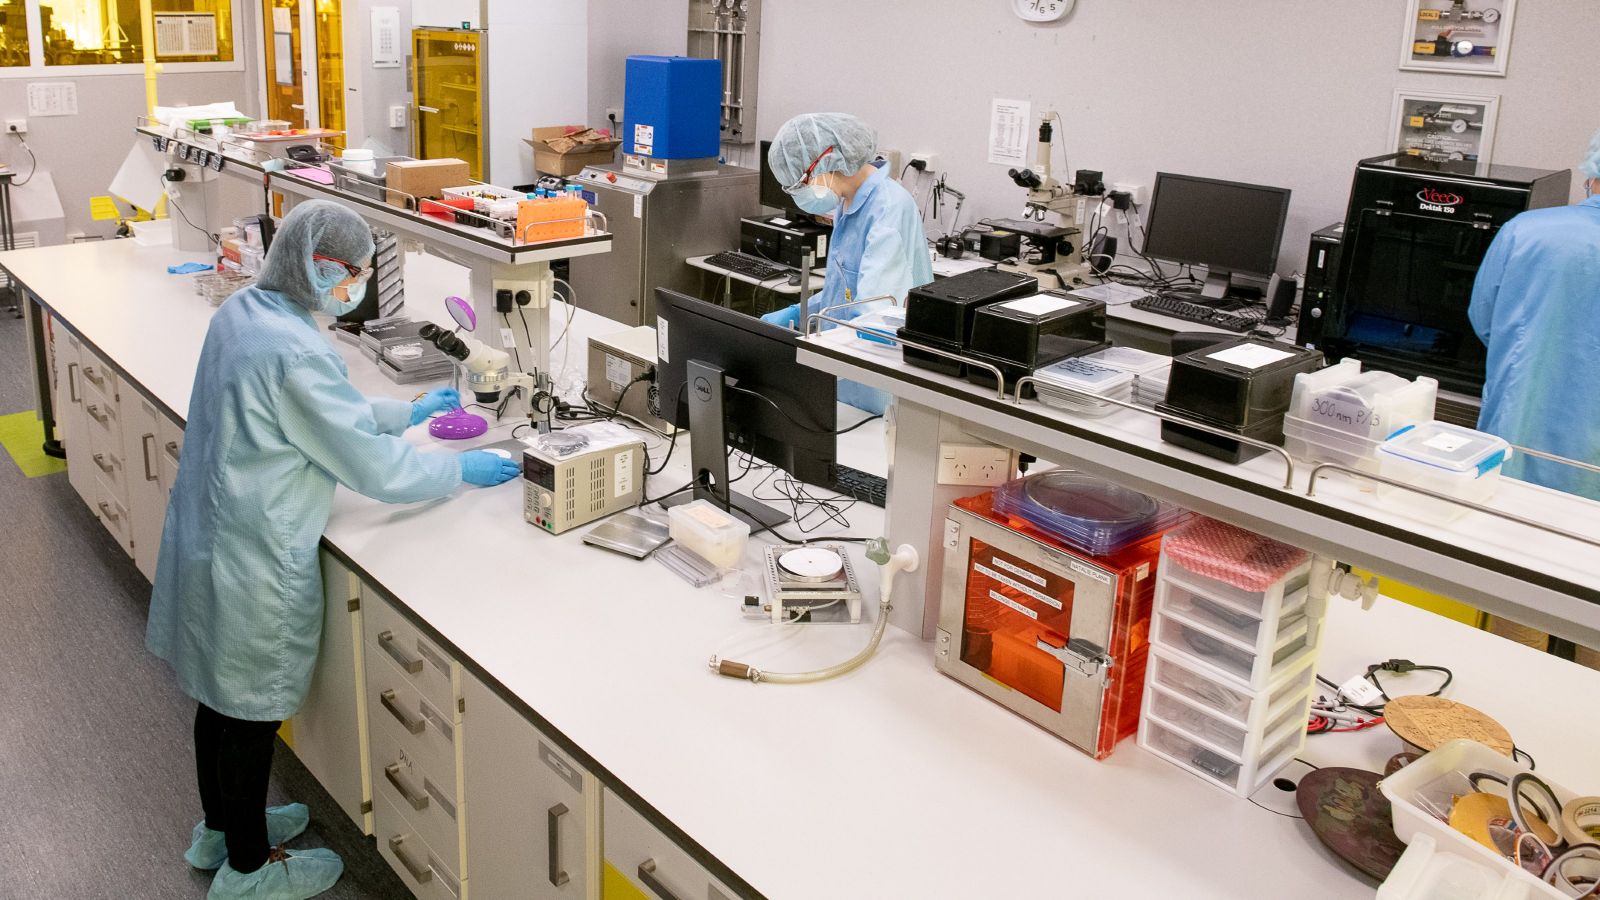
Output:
[[1447, 459], [1021, 336]]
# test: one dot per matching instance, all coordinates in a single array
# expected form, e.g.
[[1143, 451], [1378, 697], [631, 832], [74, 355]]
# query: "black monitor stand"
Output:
[[708, 450]]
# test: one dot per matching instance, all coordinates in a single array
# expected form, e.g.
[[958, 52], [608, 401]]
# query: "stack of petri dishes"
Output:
[[1072, 385], [1086, 513]]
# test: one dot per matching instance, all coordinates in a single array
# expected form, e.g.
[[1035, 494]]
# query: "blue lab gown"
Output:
[[274, 424], [1536, 304]]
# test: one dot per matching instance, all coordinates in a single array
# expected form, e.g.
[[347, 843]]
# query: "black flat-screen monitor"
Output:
[[772, 193], [1225, 226], [717, 364]]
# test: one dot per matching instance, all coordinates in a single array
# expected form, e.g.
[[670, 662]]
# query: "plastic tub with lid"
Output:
[[1447, 459], [1367, 405]]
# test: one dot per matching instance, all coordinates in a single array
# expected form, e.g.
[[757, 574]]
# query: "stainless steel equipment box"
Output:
[[656, 224]]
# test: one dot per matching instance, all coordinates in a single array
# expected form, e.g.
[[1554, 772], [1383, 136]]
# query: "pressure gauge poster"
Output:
[[1468, 37], [1444, 127]]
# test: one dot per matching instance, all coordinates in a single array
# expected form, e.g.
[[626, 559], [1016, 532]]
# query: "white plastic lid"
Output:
[[357, 154], [1081, 374], [1132, 359], [1450, 447]]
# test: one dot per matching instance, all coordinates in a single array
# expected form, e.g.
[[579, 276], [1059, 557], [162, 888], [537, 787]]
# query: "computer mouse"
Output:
[[794, 279]]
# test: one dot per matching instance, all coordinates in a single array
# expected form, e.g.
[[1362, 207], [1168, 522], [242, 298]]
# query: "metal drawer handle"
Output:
[[423, 873], [145, 443], [88, 372], [72, 384], [558, 875], [427, 109], [417, 799], [101, 464], [413, 666], [647, 874], [173, 451], [414, 726], [97, 415], [105, 510]]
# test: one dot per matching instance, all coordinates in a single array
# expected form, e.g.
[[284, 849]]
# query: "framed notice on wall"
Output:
[[186, 34], [1444, 127], [1470, 37]]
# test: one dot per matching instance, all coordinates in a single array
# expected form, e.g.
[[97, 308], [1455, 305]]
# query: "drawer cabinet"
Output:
[[430, 670], [532, 831], [423, 872], [642, 863]]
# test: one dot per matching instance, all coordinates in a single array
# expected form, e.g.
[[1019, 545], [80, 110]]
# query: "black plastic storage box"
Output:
[[1021, 336], [941, 312], [1242, 385]]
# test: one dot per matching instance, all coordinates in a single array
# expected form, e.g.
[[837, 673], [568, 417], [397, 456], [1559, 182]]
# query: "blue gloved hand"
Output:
[[785, 318], [437, 400], [485, 469]]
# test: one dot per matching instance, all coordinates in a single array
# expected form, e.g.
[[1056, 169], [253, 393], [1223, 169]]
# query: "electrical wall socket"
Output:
[[894, 160], [1136, 191], [975, 464], [930, 161], [17, 126], [614, 113], [397, 117]]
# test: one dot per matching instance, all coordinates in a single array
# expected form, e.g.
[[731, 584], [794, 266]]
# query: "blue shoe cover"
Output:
[[287, 875], [209, 850]]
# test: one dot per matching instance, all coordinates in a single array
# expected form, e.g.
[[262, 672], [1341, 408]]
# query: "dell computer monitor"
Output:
[[772, 192], [1223, 225], [735, 383]]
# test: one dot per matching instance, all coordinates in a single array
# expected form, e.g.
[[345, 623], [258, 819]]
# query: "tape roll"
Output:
[[1576, 871], [1580, 820], [1528, 786]]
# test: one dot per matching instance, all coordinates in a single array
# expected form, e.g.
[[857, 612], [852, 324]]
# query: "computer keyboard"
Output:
[[861, 485], [1194, 312], [748, 266]]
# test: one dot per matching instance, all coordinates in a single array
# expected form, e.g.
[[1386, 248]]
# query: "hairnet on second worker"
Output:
[[1591, 160], [318, 227], [804, 137]]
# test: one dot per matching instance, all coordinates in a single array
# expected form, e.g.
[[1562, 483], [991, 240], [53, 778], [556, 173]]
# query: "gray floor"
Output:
[[96, 761]]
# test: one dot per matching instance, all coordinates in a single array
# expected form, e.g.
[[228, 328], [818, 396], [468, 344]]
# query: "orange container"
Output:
[[551, 218]]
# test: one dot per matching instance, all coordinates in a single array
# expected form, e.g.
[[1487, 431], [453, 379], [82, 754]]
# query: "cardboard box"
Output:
[[423, 178], [565, 149]]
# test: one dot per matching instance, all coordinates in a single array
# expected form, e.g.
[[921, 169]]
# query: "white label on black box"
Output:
[[618, 372], [1040, 304], [1250, 356], [1000, 598]]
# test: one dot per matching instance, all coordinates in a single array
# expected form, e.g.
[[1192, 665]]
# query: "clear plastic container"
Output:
[[1318, 443], [483, 196], [1064, 385], [1086, 513], [1196, 722], [1260, 573], [713, 534], [1188, 604], [1239, 774], [1366, 405], [1448, 459], [1251, 668], [1252, 710]]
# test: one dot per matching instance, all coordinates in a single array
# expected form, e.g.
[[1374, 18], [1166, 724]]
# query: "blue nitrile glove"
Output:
[[437, 400], [485, 469], [785, 318], [189, 268]]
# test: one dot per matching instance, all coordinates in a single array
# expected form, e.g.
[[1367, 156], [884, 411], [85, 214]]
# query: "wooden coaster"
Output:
[[1428, 722]]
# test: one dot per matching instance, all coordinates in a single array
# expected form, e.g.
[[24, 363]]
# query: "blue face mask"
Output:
[[817, 199], [333, 306]]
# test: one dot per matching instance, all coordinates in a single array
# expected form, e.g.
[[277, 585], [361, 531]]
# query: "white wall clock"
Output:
[[1042, 10]]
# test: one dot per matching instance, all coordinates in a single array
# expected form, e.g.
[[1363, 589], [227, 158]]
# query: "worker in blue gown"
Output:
[[273, 426], [1536, 305], [878, 247]]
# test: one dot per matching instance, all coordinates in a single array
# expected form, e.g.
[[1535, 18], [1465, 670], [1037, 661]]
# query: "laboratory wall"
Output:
[[370, 92], [1281, 92], [619, 29]]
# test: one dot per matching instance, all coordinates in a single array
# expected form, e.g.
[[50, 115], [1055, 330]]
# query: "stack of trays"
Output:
[[1086, 513], [1064, 385], [1150, 371], [1234, 655]]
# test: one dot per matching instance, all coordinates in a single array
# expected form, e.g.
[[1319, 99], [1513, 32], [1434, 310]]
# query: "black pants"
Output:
[[233, 759]]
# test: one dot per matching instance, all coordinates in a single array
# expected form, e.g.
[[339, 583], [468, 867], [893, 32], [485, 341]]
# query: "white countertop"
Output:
[[891, 782]]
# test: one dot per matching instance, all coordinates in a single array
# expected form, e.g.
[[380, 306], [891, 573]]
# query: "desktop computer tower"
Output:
[[1322, 271]]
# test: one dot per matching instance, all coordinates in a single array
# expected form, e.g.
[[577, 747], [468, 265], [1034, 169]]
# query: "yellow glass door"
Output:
[[330, 68], [447, 74], [286, 90]]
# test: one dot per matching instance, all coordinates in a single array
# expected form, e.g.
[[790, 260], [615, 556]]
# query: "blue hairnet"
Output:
[[804, 137], [319, 227], [1591, 160]]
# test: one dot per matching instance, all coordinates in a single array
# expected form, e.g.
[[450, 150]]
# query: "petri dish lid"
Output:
[[1131, 359], [1446, 446], [1085, 375], [1090, 501]]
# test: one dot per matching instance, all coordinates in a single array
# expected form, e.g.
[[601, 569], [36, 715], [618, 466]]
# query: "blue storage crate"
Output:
[[672, 107]]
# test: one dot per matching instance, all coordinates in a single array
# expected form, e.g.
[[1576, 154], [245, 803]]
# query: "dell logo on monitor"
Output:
[[702, 388]]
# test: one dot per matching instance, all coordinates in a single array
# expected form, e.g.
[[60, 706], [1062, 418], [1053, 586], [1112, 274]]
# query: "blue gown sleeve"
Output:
[[325, 418], [392, 416], [886, 262], [1486, 289]]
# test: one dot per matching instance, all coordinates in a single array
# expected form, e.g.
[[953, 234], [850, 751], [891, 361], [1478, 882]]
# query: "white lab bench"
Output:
[[891, 782]]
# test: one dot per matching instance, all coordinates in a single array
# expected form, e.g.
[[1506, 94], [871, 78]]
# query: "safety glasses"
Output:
[[360, 273], [805, 179]]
